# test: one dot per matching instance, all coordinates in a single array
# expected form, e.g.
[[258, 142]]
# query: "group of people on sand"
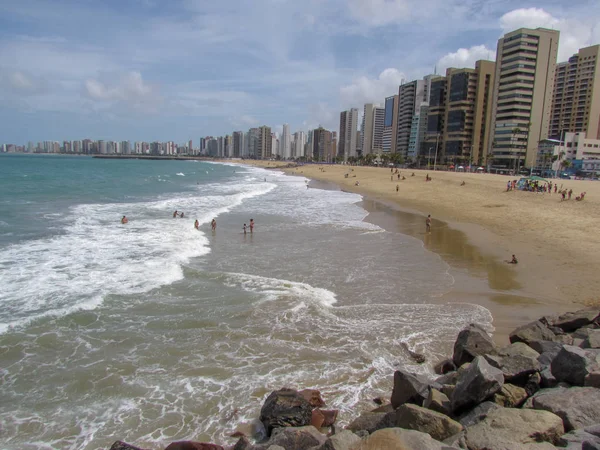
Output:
[[541, 187]]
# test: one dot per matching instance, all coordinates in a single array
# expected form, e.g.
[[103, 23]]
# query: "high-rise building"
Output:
[[238, 144], [299, 143], [321, 145], [264, 147], [334, 141], [253, 138], [346, 145], [432, 143], [285, 142], [576, 101], [366, 129], [410, 97], [125, 147], [522, 99], [275, 150], [378, 126], [390, 124]]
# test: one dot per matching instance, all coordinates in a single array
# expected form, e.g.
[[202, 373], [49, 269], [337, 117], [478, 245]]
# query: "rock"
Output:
[[242, 444], [577, 406], [445, 366], [510, 396], [572, 364], [519, 349], [578, 437], [509, 428], [593, 429], [592, 340], [189, 445], [476, 384], [438, 401], [313, 397], [296, 438], [565, 339], [534, 384], [285, 408], [573, 320], [592, 379], [369, 422], [471, 342], [548, 380], [449, 378], [516, 369], [317, 418], [416, 357], [458, 440], [323, 418], [534, 331], [437, 425], [383, 409], [343, 440], [254, 429], [477, 414], [546, 347], [120, 445], [379, 400], [275, 447], [408, 388], [399, 439]]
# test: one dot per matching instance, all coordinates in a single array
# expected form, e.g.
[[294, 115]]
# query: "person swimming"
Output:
[[124, 220]]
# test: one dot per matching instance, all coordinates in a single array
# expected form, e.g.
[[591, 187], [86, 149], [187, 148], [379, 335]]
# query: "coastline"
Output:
[[551, 276]]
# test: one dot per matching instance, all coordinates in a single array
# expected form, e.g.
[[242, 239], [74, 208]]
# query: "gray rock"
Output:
[[343, 440], [449, 378], [573, 320], [120, 445], [276, 447], [593, 429], [369, 422], [471, 342], [476, 384], [534, 384], [577, 406], [190, 445], [438, 401], [592, 340], [509, 428], [578, 437], [592, 379], [548, 380], [517, 368], [408, 388], [546, 347], [399, 439], [519, 349], [445, 366], [296, 438], [572, 364], [285, 408], [458, 440], [478, 413], [534, 331], [510, 396], [437, 425]]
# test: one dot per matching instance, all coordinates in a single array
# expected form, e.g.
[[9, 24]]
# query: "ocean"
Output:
[[153, 331]]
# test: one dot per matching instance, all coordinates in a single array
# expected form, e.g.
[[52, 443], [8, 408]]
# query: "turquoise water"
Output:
[[154, 331]]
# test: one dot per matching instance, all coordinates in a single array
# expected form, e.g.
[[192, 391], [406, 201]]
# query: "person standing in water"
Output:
[[428, 224], [213, 224], [175, 214], [244, 229], [251, 226], [196, 224], [124, 220]]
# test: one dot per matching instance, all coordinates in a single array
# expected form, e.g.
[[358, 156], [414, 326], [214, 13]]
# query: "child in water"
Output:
[[244, 228]]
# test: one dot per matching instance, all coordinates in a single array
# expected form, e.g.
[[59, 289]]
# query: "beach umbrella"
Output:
[[536, 178], [451, 167], [460, 167]]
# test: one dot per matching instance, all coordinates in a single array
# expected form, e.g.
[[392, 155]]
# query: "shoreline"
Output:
[[546, 276]]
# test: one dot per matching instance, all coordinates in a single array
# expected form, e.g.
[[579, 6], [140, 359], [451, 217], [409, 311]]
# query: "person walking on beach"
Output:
[[251, 226], [124, 220], [570, 193], [428, 224], [397, 188], [213, 224]]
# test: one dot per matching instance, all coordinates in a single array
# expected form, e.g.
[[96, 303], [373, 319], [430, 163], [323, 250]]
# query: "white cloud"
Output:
[[379, 12], [129, 88], [372, 90], [465, 58]]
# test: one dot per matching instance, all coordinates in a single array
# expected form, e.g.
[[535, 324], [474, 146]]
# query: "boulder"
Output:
[[510, 396], [445, 366], [317, 418], [471, 342], [285, 408], [254, 429], [519, 349], [369, 422], [592, 379], [548, 380], [399, 439], [592, 340], [120, 445], [476, 384], [573, 320], [516, 369], [189, 445], [243, 444], [534, 331], [275, 447], [551, 347], [323, 418], [296, 438], [438, 401], [416, 357], [572, 364], [477, 414], [458, 440], [437, 425], [383, 409], [510, 428], [313, 397], [578, 437], [577, 406], [408, 388], [343, 440]]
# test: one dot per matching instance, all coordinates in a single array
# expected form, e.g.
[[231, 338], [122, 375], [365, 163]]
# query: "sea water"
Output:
[[155, 331]]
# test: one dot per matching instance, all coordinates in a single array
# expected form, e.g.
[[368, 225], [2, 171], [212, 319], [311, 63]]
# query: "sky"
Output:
[[181, 69]]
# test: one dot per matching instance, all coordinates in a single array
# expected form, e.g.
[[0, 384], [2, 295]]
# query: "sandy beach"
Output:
[[478, 226]]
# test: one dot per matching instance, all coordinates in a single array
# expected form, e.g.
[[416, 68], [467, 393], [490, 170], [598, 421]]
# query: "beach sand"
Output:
[[478, 226]]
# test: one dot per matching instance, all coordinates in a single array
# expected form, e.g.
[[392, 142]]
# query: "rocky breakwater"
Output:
[[542, 391]]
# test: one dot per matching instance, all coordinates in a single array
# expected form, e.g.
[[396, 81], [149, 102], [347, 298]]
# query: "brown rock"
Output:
[[120, 445], [330, 416], [317, 418], [445, 366], [510, 396], [313, 397], [189, 445]]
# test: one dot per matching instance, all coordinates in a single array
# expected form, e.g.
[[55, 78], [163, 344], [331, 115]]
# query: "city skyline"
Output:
[[145, 71]]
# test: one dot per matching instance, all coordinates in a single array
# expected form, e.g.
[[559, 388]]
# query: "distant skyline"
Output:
[[150, 70]]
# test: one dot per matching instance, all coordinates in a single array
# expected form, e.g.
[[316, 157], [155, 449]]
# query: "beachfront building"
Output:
[[347, 138], [321, 145], [575, 153], [418, 129], [411, 97], [378, 126], [390, 124], [253, 138], [264, 143], [276, 151], [299, 143], [366, 129], [576, 100], [285, 143], [433, 142], [238, 144], [522, 98]]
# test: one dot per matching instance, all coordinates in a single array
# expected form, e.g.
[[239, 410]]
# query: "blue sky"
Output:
[[181, 69]]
